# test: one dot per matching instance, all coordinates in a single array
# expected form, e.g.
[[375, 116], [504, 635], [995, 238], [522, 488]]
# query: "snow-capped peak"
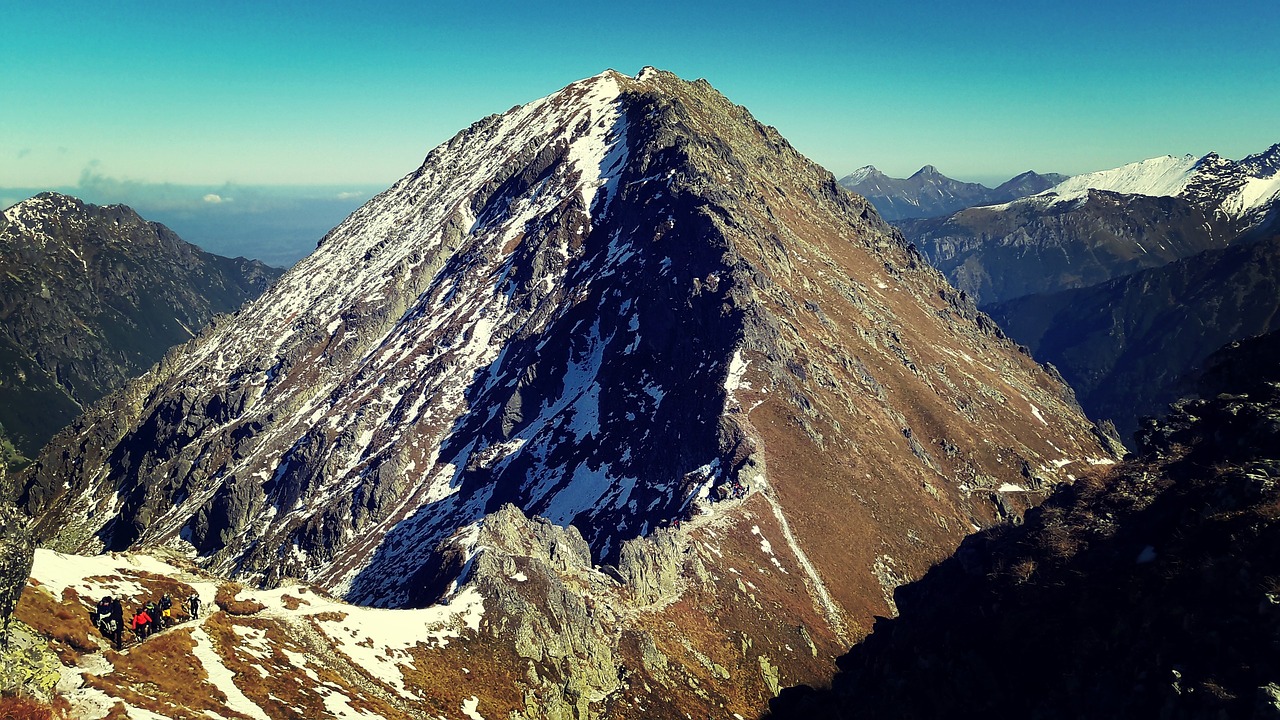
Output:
[[1161, 176]]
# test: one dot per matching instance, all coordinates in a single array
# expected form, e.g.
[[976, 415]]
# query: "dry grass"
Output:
[[226, 599], [277, 682], [66, 624], [163, 676], [439, 677], [24, 708]]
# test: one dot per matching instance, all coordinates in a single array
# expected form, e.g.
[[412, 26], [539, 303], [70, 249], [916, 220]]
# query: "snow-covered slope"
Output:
[[1241, 191], [1166, 175], [288, 652]]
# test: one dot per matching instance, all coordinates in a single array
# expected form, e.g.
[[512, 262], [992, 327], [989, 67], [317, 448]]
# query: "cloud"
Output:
[[24, 152], [352, 195], [215, 199]]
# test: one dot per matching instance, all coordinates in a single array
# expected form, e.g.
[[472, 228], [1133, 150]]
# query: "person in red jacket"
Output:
[[141, 623]]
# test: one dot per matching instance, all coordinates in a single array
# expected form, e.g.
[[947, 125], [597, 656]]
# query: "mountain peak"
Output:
[[861, 175], [928, 171], [623, 313]]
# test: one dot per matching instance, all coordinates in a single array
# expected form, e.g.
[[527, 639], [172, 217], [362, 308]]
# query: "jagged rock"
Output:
[[17, 552], [651, 566]]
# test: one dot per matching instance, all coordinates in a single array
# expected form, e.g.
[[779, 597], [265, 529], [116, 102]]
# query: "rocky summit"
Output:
[[681, 410], [92, 296]]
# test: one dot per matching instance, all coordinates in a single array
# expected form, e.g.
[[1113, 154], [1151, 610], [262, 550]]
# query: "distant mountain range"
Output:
[[1124, 279], [1126, 345], [93, 296], [929, 193], [1097, 226]]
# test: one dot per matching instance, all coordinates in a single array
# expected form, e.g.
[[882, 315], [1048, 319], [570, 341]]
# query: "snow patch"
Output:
[[1036, 411], [1160, 177], [222, 678], [470, 708]]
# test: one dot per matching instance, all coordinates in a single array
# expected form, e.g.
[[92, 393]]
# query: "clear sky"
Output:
[[356, 93]]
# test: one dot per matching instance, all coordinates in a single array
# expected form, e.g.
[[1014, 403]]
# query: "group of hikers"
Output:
[[150, 617]]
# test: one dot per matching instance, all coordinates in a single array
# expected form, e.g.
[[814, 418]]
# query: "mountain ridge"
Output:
[[1098, 226], [929, 193]]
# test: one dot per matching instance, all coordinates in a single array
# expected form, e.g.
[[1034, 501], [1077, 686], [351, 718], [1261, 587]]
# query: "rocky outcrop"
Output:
[[17, 551], [91, 297], [1147, 592], [27, 666]]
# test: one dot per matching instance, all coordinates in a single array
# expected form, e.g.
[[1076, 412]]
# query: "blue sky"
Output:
[[279, 93]]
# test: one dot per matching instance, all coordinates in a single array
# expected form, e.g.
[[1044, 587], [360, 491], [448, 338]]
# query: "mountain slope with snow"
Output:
[[1099, 226], [1238, 191], [1163, 177], [624, 340]]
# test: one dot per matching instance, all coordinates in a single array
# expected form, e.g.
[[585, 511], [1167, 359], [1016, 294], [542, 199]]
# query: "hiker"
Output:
[[193, 605], [141, 623], [153, 613], [115, 618], [109, 623], [166, 610], [102, 610]]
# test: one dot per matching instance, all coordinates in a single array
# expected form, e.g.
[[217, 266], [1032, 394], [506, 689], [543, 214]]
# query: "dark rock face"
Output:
[[1153, 591], [1020, 186], [91, 297], [17, 554], [1126, 346], [929, 193], [1039, 245]]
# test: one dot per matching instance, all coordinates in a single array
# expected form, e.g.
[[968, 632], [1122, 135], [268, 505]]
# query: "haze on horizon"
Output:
[[238, 121]]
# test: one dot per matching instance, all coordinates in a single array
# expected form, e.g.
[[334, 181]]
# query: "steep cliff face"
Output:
[[1151, 591], [1041, 245], [627, 309], [1127, 346], [93, 296]]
